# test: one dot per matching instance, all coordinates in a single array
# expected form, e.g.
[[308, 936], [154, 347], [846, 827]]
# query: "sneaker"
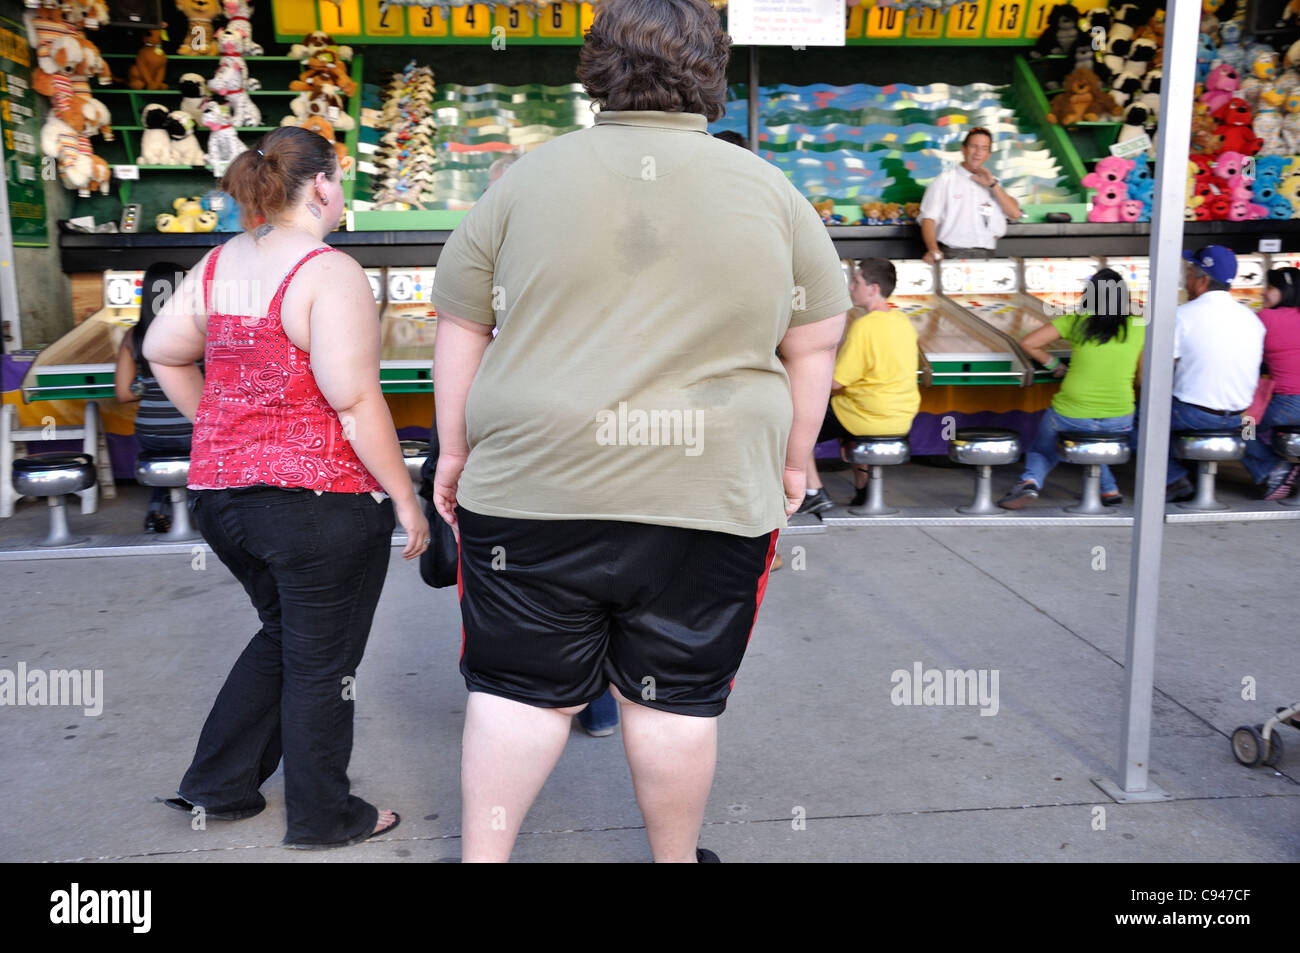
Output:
[[1112, 499], [1281, 482], [818, 502], [705, 856], [1180, 490], [1019, 495]]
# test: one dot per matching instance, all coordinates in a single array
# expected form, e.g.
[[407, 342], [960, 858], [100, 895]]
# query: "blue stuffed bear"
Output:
[[227, 210], [1279, 207], [1141, 185]]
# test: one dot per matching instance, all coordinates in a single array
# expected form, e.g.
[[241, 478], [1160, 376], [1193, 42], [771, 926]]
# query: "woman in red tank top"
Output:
[[297, 482]]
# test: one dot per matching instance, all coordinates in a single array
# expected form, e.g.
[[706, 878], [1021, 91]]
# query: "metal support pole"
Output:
[[753, 99], [1181, 29]]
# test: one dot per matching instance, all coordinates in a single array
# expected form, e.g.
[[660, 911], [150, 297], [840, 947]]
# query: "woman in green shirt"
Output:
[[1097, 394]]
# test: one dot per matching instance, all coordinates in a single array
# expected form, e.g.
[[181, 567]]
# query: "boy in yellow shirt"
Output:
[[874, 392]]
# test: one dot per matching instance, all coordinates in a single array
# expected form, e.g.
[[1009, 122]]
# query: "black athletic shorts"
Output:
[[554, 611]]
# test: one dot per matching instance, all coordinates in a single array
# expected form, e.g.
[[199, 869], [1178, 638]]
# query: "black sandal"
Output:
[[397, 819]]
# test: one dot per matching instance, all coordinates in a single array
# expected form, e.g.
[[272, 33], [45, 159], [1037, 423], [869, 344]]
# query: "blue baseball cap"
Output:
[[1215, 260]]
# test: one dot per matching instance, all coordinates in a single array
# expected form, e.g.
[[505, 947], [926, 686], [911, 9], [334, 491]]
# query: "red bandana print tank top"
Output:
[[261, 418]]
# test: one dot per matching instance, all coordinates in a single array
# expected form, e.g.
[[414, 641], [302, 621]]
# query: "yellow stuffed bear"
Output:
[[190, 217]]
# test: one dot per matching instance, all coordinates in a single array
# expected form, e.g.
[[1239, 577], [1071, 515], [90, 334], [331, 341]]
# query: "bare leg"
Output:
[[860, 475], [508, 751], [672, 758], [812, 480]]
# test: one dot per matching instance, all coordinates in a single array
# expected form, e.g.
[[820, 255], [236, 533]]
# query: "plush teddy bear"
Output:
[[194, 93], [1291, 123], [324, 69], [225, 208], [231, 80], [155, 143], [1136, 118], [237, 14], [322, 102], [190, 216], [78, 166], [1106, 204], [198, 30], [185, 147], [319, 41], [1220, 87], [223, 142], [150, 64], [1231, 50], [1141, 184], [1081, 100], [1234, 127], [1206, 53], [1061, 33], [1204, 141], [1193, 200]]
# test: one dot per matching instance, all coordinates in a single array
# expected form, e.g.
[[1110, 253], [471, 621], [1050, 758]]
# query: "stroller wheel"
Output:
[[1247, 746], [1275, 746]]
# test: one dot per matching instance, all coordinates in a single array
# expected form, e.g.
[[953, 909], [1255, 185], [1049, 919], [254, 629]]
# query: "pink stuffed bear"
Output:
[[1130, 210], [1233, 169], [1244, 210], [1108, 179], [1221, 85]]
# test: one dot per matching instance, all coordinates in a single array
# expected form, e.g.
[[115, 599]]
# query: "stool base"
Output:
[[983, 504], [181, 528], [1089, 492], [1205, 500], [59, 534], [875, 505]]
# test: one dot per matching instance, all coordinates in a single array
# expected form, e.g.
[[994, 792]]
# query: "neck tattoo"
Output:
[[262, 231], [314, 209]]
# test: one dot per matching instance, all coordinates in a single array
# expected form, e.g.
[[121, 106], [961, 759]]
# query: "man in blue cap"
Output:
[[1218, 345]]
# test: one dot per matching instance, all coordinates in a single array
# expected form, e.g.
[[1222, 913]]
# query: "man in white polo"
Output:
[[1218, 345], [965, 210]]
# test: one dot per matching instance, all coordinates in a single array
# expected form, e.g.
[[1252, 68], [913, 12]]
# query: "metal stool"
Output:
[[54, 475], [1286, 444], [173, 472], [1091, 451], [415, 453], [984, 448], [1207, 448], [875, 453]]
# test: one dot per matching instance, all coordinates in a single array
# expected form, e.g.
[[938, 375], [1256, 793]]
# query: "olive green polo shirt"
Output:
[[641, 274]]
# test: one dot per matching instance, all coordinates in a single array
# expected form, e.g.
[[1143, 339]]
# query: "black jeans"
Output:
[[313, 567]]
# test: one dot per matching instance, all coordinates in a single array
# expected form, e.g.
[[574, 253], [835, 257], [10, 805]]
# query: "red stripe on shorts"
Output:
[[762, 590]]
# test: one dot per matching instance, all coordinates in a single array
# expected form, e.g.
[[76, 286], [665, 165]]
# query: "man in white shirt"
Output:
[[1218, 345], [965, 210]]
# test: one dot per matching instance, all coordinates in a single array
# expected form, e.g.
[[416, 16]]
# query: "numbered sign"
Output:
[[294, 17], [376, 278], [965, 22], [924, 24], [1250, 272], [123, 289], [426, 21], [410, 285], [855, 22], [382, 19], [915, 277], [515, 21], [472, 20], [340, 17], [884, 23], [557, 19], [1006, 19]]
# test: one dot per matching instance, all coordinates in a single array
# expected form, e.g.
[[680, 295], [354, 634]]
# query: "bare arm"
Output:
[[1035, 343], [124, 373], [808, 353], [345, 346], [931, 239], [175, 343], [1010, 207], [458, 350]]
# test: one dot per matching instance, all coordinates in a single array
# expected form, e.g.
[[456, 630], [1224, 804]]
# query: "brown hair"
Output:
[[266, 179], [879, 271], [978, 131], [669, 55]]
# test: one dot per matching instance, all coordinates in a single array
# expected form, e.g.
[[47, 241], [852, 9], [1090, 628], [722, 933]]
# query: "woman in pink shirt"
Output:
[[1281, 318], [297, 480]]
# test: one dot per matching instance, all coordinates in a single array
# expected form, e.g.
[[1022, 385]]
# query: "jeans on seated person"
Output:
[[1183, 416], [1282, 410], [1042, 457]]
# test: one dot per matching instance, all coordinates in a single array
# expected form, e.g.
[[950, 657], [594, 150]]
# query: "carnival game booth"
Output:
[[421, 102]]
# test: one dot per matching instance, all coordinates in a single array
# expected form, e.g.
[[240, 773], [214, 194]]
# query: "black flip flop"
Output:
[[397, 819], [180, 804]]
